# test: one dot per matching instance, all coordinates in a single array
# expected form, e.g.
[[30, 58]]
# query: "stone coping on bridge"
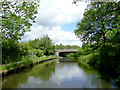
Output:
[[66, 49]]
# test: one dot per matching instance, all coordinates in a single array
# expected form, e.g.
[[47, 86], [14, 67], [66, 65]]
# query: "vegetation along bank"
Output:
[[99, 30]]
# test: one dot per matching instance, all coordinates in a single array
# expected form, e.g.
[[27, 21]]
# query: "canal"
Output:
[[57, 74]]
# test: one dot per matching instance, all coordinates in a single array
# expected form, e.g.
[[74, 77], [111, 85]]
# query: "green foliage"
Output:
[[41, 46], [91, 58], [39, 53], [100, 27], [31, 44], [67, 46], [85, 50], [10, 51], [14, 51], [46, 45], [44, 71], [36, 52], [71, 55], [100, 19], [32, 51], [24, 48], [17, 18], [110, 58], [26, 61]]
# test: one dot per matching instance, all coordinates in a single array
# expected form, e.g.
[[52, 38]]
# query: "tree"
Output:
[[17, 17], [31, 44], [75, 1], [67, 46], [100, 26], [99, 19], [46, 45], [24, 47], [10, 51]]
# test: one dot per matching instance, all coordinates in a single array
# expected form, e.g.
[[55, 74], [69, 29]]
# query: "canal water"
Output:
[[57, 74]]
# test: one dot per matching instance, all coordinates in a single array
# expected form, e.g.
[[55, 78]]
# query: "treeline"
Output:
[[17, 17], [99, 31], [67, 46], [14, 51]]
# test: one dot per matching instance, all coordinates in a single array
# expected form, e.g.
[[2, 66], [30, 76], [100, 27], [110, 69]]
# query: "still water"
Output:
[[57, 74]]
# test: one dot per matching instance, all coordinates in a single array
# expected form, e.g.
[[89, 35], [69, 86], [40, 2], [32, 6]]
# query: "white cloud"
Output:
[[57, 35], [62, 73], [57, 12], [51, 15]]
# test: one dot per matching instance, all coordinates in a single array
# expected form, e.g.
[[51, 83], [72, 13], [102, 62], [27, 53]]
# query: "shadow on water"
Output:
[[107, 77]]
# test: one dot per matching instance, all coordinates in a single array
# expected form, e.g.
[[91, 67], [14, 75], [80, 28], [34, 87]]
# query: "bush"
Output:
[[71, 55], [24, 48], [36, 52], [10, 51], [110, 58], [32, 51], [92, 59], [84, 50], [39, 53]]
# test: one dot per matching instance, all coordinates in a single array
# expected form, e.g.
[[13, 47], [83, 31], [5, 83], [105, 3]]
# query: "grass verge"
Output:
[[25, 61]]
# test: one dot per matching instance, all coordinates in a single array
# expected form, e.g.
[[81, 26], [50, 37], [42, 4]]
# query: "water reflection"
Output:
[[34, 75], [106, 80], [56, 74], [14, 80], [43, 71]]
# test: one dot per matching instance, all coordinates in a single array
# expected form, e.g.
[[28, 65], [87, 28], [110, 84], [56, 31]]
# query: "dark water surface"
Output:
[[56, 74]]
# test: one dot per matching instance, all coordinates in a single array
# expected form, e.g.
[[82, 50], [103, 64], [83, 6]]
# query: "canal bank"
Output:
[[22, 65], [57, 74]]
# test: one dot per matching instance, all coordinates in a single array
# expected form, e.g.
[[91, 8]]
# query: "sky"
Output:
[[57, 19]]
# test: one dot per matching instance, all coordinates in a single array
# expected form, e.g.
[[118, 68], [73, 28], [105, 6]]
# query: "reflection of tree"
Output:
[[96, 78], [44, 71], [62, 64], [87, 69], [14, 80]]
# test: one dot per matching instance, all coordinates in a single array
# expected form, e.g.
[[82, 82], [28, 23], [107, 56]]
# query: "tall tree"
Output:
[[99, 19], [17, 17], [46, 45]]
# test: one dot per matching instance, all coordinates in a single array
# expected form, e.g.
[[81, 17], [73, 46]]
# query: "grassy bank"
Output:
[[94, 60], [25, 61]]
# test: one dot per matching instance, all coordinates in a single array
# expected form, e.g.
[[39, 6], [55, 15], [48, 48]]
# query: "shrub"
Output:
[[32, 51], [36, 52], [39, 53], [24, 48], [10, 51], [91, 59]]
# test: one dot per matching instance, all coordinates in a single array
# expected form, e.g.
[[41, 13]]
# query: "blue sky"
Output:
[[69, 27], [57, 19]]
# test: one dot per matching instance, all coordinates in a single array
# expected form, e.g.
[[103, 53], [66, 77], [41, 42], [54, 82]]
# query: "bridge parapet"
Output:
[[66, 50]]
